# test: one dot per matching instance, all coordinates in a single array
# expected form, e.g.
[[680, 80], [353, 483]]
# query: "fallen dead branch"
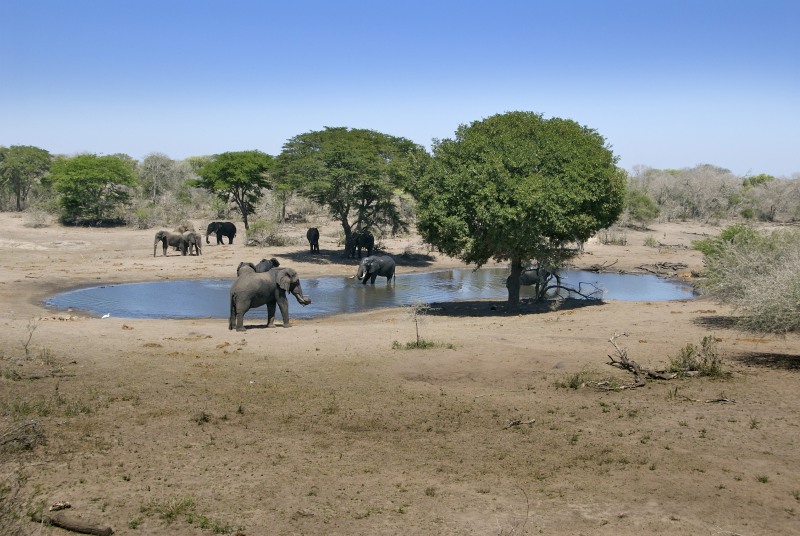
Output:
[[517, 422], [24, 436], [60, 520], [661, 268], [597, 268], [621, 360]]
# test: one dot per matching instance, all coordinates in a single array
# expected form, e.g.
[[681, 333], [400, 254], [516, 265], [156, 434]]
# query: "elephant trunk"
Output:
[[300, 297], [362, 272]]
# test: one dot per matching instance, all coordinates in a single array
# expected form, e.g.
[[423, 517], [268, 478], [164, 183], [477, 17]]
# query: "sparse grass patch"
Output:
[[762, 478], [703, 361], [651, 242], [421, 344]]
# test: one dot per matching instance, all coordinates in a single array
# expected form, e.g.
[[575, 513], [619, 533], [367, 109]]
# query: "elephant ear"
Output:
[[285, 279]]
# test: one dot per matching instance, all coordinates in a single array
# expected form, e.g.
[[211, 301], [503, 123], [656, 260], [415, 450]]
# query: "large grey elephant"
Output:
[[254, 290], [193, 242], [358, 240], [312, 235], [376, 265], [168, 239], [221, 228]]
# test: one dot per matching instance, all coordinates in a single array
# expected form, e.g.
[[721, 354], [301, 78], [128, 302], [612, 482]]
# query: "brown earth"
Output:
[[185, 427]]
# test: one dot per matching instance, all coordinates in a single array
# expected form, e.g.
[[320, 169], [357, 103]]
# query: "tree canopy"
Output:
[[355, 173], [91, 186], [21, 167], [517, 187], [239, 176]]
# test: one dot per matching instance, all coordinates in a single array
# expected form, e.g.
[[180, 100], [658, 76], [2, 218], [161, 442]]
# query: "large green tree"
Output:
[[239, 176], [517, 187], [355, 173], [92, 186], [22, 167]]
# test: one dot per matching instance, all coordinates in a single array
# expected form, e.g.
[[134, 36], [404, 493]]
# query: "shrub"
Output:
[[705, 361], [759, 274]]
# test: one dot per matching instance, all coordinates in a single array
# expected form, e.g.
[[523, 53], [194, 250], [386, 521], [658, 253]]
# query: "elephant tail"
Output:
[[232, 320]]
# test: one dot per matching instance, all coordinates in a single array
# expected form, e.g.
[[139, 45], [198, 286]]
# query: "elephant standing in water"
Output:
[[376, 265], [312, 235], [253, 289], [170, 239], [358, 240], [221, 228]]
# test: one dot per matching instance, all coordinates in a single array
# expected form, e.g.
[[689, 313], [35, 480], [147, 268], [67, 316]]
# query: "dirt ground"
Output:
[[185, 427]]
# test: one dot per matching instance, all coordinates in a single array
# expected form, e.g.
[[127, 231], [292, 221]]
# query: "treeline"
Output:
[[119, 190], [710, 194]]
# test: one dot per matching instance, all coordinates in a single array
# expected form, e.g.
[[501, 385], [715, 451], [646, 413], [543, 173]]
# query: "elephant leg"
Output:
[[239, 308], [271, 314], [373, 278], [283, 303]]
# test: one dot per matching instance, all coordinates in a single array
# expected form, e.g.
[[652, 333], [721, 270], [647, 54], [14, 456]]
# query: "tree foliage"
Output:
[[240, 177], [92, 187], [518, 187], [757, 273], [355, 173], [640, 207], [22, 167]]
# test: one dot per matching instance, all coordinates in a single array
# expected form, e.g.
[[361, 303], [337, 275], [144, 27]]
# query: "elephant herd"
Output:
[[267, 282], [188, 241]]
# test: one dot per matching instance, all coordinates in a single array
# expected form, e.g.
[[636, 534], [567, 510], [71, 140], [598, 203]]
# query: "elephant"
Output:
[[245, 268], [170, 239], [376, 265], [221, 228], [194, 240], [358, 240], [313, 238], [266, 265], [539, 275], [254, 290]]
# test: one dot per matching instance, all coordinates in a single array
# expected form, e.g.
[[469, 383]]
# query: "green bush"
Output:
[[705, 360]]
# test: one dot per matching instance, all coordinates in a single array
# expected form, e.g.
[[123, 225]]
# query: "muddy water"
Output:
[[210, 298]]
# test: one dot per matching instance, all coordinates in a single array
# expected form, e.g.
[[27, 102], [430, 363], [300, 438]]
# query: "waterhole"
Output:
[[210, 298]]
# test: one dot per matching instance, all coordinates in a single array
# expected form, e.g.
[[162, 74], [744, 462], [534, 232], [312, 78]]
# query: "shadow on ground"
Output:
[[768, 360], [500, 308], [338, 257], [716, 322]]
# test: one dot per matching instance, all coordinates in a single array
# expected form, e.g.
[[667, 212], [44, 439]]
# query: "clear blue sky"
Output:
[[670, 84]]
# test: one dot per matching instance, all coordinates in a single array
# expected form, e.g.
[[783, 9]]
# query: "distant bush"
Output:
[[759, 274]]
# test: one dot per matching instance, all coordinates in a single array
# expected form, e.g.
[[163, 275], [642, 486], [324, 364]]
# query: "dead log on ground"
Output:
[[622, 361], [60, 520]]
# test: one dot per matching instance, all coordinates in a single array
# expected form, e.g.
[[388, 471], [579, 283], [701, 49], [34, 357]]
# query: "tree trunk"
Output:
[[513, 284]]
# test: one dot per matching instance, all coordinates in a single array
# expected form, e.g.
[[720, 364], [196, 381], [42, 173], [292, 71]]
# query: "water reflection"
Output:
[[209, 298]]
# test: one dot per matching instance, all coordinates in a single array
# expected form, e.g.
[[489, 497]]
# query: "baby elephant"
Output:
[[376, 265]]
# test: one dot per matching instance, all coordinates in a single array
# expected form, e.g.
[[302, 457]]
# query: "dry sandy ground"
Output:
[[185, 427]]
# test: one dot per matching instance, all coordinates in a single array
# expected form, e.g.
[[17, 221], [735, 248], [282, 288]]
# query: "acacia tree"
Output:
[[92, 186], [355, 173], [239, 176], [517, 187], [158, 173], [21, 167]]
